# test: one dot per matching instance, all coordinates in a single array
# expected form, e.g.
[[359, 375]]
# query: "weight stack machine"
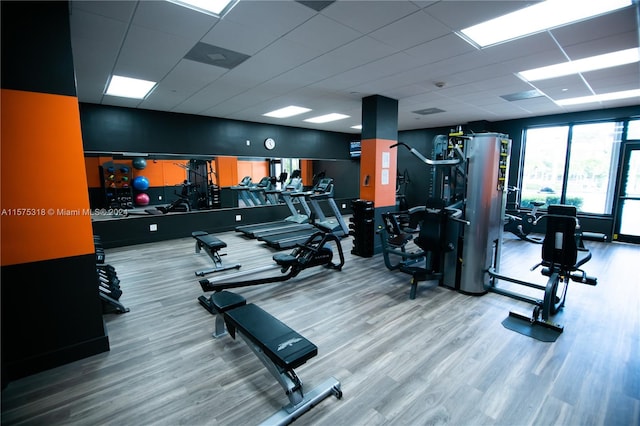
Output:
[[486, 167]]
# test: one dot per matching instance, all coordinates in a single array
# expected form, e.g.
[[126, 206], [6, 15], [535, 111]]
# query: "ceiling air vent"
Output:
[[216, 56], [428, 111], [529, 94], [316, 5]]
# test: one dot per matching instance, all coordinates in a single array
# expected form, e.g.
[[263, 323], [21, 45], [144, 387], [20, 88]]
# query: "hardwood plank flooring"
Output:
[[443, 358]]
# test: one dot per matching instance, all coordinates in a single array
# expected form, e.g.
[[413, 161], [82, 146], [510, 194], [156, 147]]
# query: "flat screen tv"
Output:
[[354, 149]]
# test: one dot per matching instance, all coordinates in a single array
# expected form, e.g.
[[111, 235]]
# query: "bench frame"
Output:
[[212, 251], [299, 403]]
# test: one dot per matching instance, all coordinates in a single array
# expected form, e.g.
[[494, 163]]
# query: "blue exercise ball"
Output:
[[139, 163], [141, 183]]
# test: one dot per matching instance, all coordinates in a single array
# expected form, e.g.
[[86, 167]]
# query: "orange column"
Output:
[[378, 172], [378, 159], [45, 204]]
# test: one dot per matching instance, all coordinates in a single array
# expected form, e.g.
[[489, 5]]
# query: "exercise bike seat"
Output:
[[537, 203]]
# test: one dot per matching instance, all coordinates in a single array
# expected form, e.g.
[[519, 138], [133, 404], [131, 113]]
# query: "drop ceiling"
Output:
[[328, 60]]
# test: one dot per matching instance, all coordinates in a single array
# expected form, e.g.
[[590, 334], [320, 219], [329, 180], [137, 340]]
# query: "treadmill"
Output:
[[322, 190], [295, 219]]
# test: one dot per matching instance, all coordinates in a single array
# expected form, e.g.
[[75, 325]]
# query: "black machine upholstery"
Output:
[[204, 239], [560, 246], [284, 346], [279, 348], [211, 245], [437, 232], [563, 253]]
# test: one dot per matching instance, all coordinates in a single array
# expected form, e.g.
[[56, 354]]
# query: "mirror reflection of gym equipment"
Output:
[[456, 238]]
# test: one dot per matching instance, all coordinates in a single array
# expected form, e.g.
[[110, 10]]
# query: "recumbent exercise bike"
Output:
[[563, 254]]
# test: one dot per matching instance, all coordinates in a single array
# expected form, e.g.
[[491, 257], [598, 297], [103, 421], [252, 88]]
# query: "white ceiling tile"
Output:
[[239, 37], [366, 16], [120, 10], [605, 26], [149, 54], [277, 16], [330, 59], [462, 14], [322, 34], [189, 76], [614, 43], [448, 46], [168, 17], [563, 87], [278, 59], [410, 31], [614, 79]]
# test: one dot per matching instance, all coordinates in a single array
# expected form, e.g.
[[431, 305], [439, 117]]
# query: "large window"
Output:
[[571, 165], [633, 132], [544, 164]]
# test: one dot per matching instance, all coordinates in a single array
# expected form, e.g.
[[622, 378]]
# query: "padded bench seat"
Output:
[[284, 346], [211, 242]]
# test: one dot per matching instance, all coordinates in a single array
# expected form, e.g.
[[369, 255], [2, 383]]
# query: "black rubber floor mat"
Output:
[[537, 331]]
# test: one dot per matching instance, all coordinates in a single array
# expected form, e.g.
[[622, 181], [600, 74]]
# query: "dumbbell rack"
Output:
[[108, 283], [116, 181]]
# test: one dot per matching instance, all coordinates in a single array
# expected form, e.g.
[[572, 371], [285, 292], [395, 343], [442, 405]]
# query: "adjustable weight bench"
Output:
[[211, 245], [279, 348]]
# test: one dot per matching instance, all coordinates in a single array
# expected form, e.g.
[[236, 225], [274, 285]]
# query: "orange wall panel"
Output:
[[306, 170], [173, 173], [227, 171], [371, 165], [44, 200], [256, 169]]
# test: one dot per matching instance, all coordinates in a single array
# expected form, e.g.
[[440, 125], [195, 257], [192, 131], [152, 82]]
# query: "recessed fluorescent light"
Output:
[[127, 87], [217, 8], [285, 112], [607, 60], [539, 17], [326, 118], [357, 127], [635, 93]]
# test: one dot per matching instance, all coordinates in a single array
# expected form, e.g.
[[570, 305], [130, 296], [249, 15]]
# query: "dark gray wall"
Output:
[[115, 129], [422, 140]]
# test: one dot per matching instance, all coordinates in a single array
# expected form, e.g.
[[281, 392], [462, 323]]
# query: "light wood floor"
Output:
[[443, 358]]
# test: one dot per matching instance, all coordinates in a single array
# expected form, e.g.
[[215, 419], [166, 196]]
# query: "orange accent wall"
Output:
[[256, 169], [159, 172], [227, 171], [171, 172], [306, 170], [42, 171], [371, 165]]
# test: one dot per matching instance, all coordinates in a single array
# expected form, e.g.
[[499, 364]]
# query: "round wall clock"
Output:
[[269, 143]]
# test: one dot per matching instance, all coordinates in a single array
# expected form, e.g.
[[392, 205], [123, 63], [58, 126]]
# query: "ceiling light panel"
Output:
[[593, 63], [289, 111], [614, 96], [127, 87], [326, 118], [539, 17], [217, 8]]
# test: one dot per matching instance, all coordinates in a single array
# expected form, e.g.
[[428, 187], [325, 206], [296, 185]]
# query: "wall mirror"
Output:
[[142, 184]]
